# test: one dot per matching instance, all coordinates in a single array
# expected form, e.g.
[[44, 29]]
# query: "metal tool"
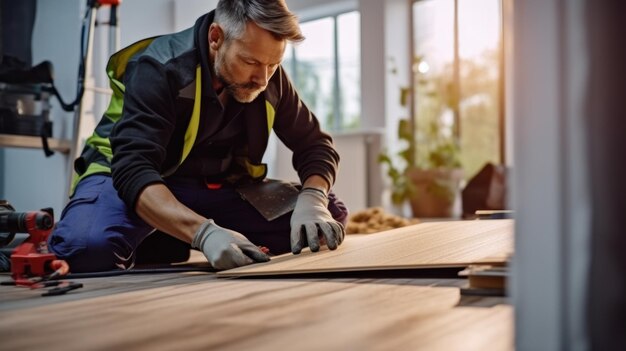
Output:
[[32, 265]]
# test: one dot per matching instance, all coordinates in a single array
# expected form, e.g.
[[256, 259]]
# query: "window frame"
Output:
[[457, 81], [338, 118]]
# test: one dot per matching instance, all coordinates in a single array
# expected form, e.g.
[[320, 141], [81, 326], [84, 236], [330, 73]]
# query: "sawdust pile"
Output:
[[374, 220]]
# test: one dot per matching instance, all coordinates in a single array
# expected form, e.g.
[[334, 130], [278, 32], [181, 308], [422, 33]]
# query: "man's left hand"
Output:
[[312, 223]]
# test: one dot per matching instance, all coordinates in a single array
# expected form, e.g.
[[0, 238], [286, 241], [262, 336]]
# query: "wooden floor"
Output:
[[199, 311], [397, 309]]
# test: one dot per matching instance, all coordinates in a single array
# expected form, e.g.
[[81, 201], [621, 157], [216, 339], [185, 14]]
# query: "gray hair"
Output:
[[271, 15]]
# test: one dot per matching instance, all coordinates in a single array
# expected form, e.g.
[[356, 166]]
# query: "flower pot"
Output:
[[435, 191]]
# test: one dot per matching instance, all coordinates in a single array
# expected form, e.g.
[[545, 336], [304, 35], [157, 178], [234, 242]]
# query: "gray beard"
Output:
[[233, 89]]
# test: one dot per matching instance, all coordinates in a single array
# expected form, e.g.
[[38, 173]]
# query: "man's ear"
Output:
[[216, 36]]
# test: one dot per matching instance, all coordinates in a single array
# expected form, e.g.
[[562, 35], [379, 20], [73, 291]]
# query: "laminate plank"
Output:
[[14, 298], [266, 314], [424, 245]]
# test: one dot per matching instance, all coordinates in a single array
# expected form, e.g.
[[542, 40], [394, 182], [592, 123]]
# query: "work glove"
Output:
[[312, 223], [225, 248]]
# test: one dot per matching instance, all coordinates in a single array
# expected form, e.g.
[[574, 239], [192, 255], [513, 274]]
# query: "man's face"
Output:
[[245, 65]]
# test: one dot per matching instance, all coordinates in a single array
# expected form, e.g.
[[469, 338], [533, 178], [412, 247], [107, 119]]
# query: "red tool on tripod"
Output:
[[31, 262]]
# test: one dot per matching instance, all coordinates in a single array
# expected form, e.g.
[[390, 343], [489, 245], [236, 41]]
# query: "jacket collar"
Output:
[[201, 30]]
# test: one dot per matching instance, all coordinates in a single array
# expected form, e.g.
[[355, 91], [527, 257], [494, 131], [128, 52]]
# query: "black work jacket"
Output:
[[148, 139]]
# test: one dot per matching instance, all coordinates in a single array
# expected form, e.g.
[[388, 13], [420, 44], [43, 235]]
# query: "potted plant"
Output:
[[430, 184], [428, 171]]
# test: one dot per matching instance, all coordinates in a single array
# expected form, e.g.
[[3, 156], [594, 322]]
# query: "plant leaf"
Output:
[[405, 132]]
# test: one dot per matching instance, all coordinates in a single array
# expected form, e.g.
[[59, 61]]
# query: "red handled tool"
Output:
[[31, 262]]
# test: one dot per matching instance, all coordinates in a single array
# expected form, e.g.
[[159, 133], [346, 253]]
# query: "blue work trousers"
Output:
[[97, 232]]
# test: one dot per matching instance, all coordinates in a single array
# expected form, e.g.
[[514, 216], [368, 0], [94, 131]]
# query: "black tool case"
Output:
[[24, 110]]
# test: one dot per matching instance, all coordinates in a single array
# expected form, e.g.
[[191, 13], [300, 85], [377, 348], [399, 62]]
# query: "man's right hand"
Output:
[[226, 248]]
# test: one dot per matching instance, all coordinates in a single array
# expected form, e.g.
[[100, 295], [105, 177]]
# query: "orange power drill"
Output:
[[31, 258]]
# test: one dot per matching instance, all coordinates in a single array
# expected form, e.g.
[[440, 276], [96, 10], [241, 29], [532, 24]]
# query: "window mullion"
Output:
[[294, 66], [456, 101], [336, 88]]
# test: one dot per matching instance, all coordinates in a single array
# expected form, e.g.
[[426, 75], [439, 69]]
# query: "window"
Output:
[[325, 69], [457, 78]]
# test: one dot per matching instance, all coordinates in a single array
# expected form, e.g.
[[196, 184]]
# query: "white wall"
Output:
[[32, 181], [186, 12], [310, 10], [373, 56], [146, 18]]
